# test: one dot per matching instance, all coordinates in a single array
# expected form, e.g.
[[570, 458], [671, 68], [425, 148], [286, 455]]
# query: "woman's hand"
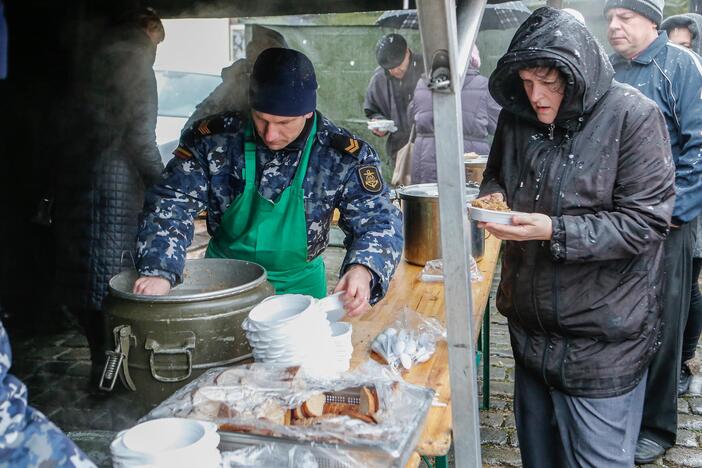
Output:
[[152, 286], [356, 282], [526, 227]]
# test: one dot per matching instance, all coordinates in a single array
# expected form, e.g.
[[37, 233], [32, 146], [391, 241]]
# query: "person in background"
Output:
[[233, 93], [391, 89], [101, 186], [479, 110], [587, 160], [270, 180], [684, 30], [27, 437], [671, 76]]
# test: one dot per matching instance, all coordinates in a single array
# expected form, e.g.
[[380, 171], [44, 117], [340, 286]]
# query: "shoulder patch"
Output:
[[346, 144], [182, 153], [370, 178], [218, 123]]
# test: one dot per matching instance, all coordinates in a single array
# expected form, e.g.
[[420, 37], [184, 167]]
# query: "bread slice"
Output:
[[368, 401], [314, 406], [297, 412]]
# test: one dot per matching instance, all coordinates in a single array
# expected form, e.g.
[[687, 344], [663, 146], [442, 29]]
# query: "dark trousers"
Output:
[[660, 415], [93, 324], [694, 318], [557, 430]]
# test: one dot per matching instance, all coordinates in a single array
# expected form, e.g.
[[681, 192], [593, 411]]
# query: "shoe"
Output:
[[685, 379], [647, 451]]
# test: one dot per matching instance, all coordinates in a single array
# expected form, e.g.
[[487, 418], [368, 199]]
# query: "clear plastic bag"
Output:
[[433, 272], [254, 404], [410, 340]]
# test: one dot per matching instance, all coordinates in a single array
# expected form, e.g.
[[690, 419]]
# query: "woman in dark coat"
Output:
[[480, 113], [588, 161], [101, 186]]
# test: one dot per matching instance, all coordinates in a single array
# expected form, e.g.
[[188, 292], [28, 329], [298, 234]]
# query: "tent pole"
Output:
[[446, 57]]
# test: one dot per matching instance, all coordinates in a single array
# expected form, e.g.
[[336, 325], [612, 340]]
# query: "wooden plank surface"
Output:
[[427, 299]]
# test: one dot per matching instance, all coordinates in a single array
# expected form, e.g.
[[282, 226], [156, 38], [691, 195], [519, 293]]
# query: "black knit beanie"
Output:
[[283, 83], [390, 51]]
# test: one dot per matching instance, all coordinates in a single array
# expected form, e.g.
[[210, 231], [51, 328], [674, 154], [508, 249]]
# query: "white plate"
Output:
[[492, 216]]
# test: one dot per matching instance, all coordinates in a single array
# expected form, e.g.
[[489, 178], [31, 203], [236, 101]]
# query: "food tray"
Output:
[[339, 441]]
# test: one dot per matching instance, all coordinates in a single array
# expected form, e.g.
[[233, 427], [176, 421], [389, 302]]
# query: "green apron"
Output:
[[272, 234]]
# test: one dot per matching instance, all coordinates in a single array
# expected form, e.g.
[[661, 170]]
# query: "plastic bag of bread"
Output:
[[370, 409]]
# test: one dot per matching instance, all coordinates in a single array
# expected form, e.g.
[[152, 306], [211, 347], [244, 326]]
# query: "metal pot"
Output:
[[163, 342], [475, 168], [422, 229]]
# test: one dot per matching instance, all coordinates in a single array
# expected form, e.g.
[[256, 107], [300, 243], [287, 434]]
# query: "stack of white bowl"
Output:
[[167, 442], [294, 329]]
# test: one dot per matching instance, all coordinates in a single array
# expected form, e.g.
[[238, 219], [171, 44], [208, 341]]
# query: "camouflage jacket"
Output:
[[27, 438], [207, 174]]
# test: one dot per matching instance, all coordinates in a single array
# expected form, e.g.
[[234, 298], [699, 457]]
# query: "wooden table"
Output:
[[427, 299]]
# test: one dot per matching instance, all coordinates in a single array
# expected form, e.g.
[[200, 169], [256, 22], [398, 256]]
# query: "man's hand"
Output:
[[152, 286], [356, 282], [377, 132], [534, 226]]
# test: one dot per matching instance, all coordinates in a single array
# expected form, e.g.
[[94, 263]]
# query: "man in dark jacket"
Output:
[[101, 188], [587, 160], [684, 30], [391, 89], [671, 76]]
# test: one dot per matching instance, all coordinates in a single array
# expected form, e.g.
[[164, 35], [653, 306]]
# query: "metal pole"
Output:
[[695, 6], [445, 65]]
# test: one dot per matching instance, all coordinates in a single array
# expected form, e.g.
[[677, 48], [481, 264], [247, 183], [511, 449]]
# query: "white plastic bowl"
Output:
[[333, 306], [167, 442], [492, 216], [278, 309]]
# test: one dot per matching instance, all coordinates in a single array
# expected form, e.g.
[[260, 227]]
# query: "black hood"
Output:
[[552, 38], [691, 21]]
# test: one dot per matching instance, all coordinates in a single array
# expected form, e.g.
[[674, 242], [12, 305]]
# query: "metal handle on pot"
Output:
[[156, 348]]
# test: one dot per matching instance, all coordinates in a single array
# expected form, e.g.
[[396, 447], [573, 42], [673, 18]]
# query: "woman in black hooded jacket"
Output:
[[588, 160]]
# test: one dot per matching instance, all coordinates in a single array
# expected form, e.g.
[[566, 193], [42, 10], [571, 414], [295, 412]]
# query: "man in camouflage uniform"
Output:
[[27, 438], [270, 182]]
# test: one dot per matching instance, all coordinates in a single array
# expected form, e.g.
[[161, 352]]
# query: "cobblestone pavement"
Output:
[[55, 369]]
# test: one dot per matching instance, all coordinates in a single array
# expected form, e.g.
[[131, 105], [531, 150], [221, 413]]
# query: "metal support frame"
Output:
[[446, 56], [485, 348]]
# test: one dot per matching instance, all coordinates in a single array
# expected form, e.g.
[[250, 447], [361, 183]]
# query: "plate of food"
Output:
[[491, 210], [382, 125]]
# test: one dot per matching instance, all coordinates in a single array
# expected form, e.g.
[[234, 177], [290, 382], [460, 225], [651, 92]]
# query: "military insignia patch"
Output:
[[346, 144], [370, 179], [204, 128], [182, 153]]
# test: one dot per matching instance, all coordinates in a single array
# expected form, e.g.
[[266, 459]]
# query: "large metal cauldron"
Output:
[[422, 229], [169, 340]]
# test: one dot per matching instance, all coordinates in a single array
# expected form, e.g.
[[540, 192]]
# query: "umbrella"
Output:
[[498, 16]]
